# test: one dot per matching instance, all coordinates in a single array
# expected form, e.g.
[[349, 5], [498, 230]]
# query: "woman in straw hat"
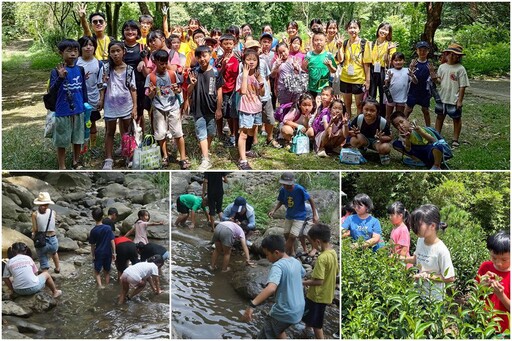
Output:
[[43, 219]]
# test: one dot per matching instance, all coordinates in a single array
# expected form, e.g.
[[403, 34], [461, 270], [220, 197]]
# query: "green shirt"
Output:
[[191, 201], [326, 268], [318, 72]]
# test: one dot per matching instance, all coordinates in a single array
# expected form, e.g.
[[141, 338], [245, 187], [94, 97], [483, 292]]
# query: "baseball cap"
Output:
[[287, 178], [266, 35], [422, 44], [238, 205]]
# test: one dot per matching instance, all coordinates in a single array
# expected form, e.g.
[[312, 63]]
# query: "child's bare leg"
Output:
[[163, 147], [313, 250], [389, 111], [203, 145], [319, 333], [408, 111], [110, 132], [303, 243], [97, 277], [125, 287], [282, 335], [400, 107], [359, 103], [61, 157], [287, 132], [359, 141], [215, 254], [226, 257], [180, 142], [457, 127], [242, 141], [255, 141], [426, 115], [219, 125], [76, 152], [182, 218], [438, 157], [56, 261], [347, 98], [269, 129], [440, 122], [289, 246], [236, 127], [50, 283], [209, 139], [107, 277], [138, 288], [383, 148]]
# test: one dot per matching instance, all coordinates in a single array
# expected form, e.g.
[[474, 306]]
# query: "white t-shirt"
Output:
[[453, 77], [142, 270], [22, 268], [42, 220], [399, 84], [118, 99], [434, 259], [93, 68]]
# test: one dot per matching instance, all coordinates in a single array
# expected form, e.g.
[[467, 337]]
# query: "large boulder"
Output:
[[19, 194], [195, 188], [326, 200], [113, 191], [34, 186], [256, 243], [179, 184], [248, 282], [139, 183], [23, 325], [67, 244], [11, 308], [79, 232], [38, 303], [69, 180], [12, 333], [10, 236], [103, 178], [10, 210], [123, 211]]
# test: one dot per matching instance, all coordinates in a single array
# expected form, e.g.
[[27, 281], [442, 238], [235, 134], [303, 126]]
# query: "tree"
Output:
[[112, 13], [434, 11]]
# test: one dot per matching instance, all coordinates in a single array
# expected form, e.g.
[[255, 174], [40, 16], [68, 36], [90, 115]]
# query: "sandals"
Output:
[[385, 159], [57, 271], [274, 144], [165, 162], [184, 164], [77, 165], [455, 144]]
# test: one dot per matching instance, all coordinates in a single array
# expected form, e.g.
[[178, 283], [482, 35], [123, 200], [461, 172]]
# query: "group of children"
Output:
[[431, 256], [233, 84]]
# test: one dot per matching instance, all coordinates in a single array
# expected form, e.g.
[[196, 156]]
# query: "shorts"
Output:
[[272, 328], [423, 153], [293, 227], [314, 314], [110, 119], [181, 207], [393, 104], [215, 204], [125, 252], [167, 124], [370, 143], [165, 256], [224, 235], [348, 88], [421, 99], [205, 127], [308, 224], [248, 121], [69, 130], [229, 105], [448, 109], [102, 261], [95, 116], [131, 281], [267, 113], [32, 290]]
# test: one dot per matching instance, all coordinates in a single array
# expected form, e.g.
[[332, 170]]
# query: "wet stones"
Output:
[[9, 308]]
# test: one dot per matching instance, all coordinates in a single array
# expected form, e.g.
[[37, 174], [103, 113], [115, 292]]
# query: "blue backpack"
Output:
[[440, 141]]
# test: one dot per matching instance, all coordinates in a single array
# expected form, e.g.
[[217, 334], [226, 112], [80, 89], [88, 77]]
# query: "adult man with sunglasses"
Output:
[[99, 24]]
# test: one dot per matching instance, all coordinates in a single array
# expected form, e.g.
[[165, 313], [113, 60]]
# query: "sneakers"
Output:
[[251, 154], [244, 165], [230, 143], [274, 144], [385, 160], [226, 130], [205, 164], [322, 153], [107, 164], [263, 133]]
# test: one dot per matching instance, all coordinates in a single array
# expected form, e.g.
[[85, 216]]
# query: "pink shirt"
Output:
[[141, 234], [250, 103], [400, 236]]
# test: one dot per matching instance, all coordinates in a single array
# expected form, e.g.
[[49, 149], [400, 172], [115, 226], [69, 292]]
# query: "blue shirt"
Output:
[[72, 92], [294, 202], [287, 274], [422, 73], [101, 236], [363, 228]]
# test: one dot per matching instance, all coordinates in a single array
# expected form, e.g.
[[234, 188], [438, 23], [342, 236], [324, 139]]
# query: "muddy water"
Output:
[[84, 312], [204, 304]]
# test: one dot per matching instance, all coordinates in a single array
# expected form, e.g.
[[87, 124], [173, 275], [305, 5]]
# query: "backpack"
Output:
[[382, 122], [171, 73], [50, 98], [363, 46], [282, 111], [317, 122], [129, 73], [440, 141]]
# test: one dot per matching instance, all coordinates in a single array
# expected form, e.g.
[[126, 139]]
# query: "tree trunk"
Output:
[[115, 18], [434, 10], [144, 9], [108, 14]]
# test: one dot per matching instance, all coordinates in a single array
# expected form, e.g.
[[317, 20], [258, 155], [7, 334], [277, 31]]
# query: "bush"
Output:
[[491, 59]]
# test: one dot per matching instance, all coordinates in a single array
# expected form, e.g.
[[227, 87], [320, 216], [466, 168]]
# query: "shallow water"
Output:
[[85, 312]]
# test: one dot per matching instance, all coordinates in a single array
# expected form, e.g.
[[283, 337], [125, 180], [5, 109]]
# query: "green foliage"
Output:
[[161, 180], [488, 59]]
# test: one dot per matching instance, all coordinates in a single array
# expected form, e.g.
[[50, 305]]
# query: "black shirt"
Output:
[[151, 249], [204, 96]]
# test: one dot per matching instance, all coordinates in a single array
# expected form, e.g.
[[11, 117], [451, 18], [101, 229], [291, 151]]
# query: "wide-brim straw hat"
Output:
[[455, 48], [43, 199]]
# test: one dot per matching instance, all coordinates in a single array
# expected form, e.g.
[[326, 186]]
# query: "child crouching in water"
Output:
[[138, 275]]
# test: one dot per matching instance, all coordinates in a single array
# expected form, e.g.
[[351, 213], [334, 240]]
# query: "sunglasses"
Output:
[[98, 22]]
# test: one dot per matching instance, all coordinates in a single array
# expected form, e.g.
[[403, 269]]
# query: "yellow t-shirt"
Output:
[[331, 47], [326, 268], [355, 60], [142, 41], [379, 53], [102, 49]]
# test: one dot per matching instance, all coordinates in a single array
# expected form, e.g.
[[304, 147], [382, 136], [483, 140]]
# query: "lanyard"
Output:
[[379, 49], [353, 57]]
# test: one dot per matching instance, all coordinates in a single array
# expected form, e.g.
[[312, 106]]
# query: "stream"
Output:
[[204, 304]]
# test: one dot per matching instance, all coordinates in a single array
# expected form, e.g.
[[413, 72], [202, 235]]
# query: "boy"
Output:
[[164, 90], [419, 92], [293, 196], [496, 274], [189, 204], [416, 142], [146, 24], [99, 24], [323, 279], [103, 249], [453, 81], [213, 186], [319, 64], [67, 82], [228, 66], [205, 93], [284, 279], [111, 218]]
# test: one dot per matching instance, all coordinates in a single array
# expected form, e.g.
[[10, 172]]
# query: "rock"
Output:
[[108, 202], [74, 197], [123, 211], [67, 244], [136, 197], [103, 178], [9, 208], [61, 210], [11, 334], [248, 282], [67, 271], [69, 179], [256, 243], [23, 228], [179, 184], [10, 236], [11, 308], [79, 232], [79, 262], [139, 183], [90, 202], [161, 205], [325, 200], [38, 303], [195, 188], [83, 250], [34, 186], [151, 196], [23, 325], [25, 218], [113, 191]]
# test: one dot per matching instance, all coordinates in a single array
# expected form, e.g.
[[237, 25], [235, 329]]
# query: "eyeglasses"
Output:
[[98, 22]]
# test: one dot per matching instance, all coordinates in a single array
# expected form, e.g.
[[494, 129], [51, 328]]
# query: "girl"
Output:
[[369, 130], [382, 49], [292, 29], [93, 71], [328, 127], [224, 237], [141, 227], [355, 74], [431, 255], [246, 30], [193, 24], [156, 41], [296, 49], [215, 34], [268, 29], [315, 25], [334, 41], [22, 269], [283, 66], [299, 118], [363, 224], [43, 220], [398, 79], [400, 237], [250, 85], [347, 211], [119, 98], [138, 275], [177, 60]]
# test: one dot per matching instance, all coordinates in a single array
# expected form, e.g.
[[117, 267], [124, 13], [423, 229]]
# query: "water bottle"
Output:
[[87, 120]]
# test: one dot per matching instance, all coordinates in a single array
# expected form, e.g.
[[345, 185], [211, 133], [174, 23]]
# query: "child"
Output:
[[224, 237], [419, 92], [141, 227], [490, 272], [285, 280], [319, 64], [284, 66], [303, 235], [103, 248], [205, 93], [99, 24], [328, 127], [241, 213], [146, 24], [177, 60], [93, 71], [250, 84], [369, 130], [293, 196], [164, 90], [326, 97], [213, 186], [138, 275], [119, 98], [67, 81], [398, 80], [22, 269], [400, 237], [189, 204], [323, 279], [296, 50], [363, 224], [299, 118], [431, 255], [333, 40], [416, 142], [454, 80], [347, 211], [148, 250]]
